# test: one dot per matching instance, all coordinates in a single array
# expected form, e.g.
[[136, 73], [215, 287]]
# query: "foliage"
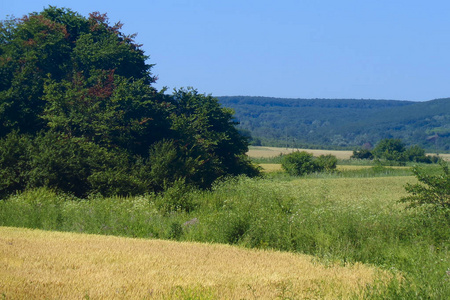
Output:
[[390, 149], [327, 162], [14, 162], [432, 190], [394, 151], [362, 154], [78, 113], [301, 162], [342, 123], [207, 131]]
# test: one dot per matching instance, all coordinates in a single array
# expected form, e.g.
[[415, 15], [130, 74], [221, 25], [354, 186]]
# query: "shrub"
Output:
[[362, 154], [299, 163], [327, 162], [390, 149], [432, 190], [177, 197], [14, 164]]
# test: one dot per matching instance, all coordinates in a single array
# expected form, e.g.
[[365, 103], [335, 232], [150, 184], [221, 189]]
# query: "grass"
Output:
[[50, 265], [273, 170], [340, 220]]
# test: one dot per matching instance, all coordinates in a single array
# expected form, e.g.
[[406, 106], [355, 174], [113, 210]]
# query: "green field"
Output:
[[339, 220]]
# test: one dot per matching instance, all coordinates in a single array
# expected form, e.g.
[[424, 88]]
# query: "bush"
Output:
[[301, 163], [327, 162], [362, 154], [14, 163], [390, 149]]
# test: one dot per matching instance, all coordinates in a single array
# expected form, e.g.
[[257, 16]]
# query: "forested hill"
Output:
[[342, 123]]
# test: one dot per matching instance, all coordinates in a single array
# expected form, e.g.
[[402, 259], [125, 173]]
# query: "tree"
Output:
[[208, 132], [390, 149], [432, 190], [78, 112]]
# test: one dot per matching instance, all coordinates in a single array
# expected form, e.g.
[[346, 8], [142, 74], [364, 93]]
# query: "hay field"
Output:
[[257, 152], [444, 156], [277, 167], [275, 151], [37, 264]]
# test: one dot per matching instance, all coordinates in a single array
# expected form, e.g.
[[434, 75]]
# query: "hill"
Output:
[[341, 123]]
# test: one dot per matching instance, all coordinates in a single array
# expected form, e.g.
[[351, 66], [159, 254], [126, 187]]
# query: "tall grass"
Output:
[[343, 220]]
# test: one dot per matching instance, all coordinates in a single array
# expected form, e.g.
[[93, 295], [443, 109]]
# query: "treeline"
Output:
[[78, 113], [394, 151], [342, 123]]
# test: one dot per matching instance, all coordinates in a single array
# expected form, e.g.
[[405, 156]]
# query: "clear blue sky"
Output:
[[372, 49]]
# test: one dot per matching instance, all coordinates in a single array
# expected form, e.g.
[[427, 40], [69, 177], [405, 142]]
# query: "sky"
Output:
[[359, 49]]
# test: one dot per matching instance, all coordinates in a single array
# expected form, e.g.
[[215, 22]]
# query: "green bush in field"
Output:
[[327, 162], [362, 154], [301, 163], [390, 149]]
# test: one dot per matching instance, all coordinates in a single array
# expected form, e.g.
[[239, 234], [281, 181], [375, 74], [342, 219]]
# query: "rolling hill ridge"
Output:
[[341, 123]]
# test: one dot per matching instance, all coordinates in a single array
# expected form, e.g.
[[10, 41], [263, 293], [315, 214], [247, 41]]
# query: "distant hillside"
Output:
[[342, 123]]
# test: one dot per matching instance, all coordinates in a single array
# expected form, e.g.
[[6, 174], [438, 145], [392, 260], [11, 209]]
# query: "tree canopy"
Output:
[[78, 112]]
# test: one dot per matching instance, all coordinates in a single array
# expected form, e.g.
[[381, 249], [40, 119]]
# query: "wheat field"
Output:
[[258, 152], [266, 152], [37, 264]]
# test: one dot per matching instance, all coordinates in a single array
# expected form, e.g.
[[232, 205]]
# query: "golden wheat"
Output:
[[36, 264]]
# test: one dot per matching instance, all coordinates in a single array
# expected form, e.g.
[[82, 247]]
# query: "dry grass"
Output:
[[444, 156], [256, 152], [271, 167], [48, 265], [275, 151], [277, 167]]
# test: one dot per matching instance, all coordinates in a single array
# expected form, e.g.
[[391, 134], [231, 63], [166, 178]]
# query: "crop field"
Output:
[[53, 265], [266, 152], [277, 167], [338, 237]]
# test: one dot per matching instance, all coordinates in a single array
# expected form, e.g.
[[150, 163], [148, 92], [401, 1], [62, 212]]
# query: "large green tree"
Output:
[[76, 98]]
